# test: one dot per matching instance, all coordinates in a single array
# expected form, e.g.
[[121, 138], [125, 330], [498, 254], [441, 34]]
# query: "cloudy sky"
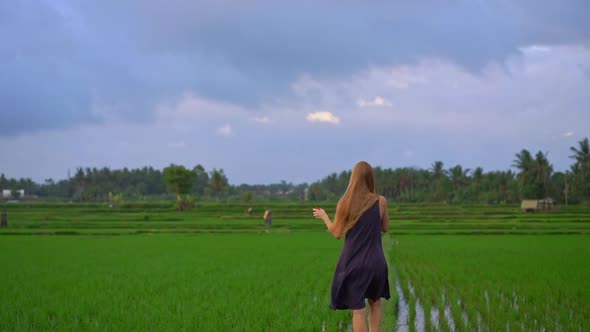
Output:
[[270, 90]]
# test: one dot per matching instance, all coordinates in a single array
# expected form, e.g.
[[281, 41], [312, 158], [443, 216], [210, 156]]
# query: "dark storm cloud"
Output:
[[69, 62]]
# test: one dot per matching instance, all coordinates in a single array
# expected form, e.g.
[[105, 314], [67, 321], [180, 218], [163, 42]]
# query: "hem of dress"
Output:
[[346, 308], [361, 307]]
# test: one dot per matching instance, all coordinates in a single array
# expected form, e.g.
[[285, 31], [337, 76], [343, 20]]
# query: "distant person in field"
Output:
[[361, 272]]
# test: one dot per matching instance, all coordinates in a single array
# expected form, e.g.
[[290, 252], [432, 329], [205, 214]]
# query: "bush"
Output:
[[115, 200], [184, 203]]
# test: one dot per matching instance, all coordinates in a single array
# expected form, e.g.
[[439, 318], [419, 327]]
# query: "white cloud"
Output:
[[322, 117], [376, 102], [264, 119], [535, 49], [225, 130], [568, 134], [440, 95]]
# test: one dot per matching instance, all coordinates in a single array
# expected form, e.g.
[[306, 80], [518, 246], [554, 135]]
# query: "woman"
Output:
[[361, 272]]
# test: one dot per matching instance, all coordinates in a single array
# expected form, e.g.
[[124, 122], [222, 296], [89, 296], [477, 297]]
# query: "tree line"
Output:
[[533, 177]]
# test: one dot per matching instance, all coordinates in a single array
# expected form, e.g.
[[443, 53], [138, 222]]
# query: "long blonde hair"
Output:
[[359, 196]]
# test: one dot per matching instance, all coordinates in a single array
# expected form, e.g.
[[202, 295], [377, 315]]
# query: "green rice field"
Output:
[[144, 266], [511, 282]]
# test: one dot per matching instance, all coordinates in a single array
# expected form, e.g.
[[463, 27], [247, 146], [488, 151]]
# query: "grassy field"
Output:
[[523, 283], [203, 282], [69, 219], [148, 267]]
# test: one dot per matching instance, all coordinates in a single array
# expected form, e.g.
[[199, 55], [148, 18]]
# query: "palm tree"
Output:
[[525, 164], [80, 182], [458, 176], [523, 161], [458, 182], [478, 174], [582, 155], [543, 171], [437, 170], [581, 169], [217, 182]]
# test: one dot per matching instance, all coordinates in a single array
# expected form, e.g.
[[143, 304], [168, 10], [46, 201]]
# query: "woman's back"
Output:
[[361, 271], [363, 241]]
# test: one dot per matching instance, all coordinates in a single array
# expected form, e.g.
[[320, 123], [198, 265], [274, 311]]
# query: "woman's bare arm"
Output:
[[384, 214], [321, 214]]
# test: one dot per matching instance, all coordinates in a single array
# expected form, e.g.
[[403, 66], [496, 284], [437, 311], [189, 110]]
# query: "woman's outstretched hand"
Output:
[[319, 213]]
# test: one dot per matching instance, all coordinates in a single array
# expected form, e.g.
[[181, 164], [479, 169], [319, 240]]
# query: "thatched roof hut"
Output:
[[534, 205], [529, 205]]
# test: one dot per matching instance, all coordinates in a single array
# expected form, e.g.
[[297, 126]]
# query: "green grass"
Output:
[[144, 266], [531, 281], [244, 282], [137, 218]]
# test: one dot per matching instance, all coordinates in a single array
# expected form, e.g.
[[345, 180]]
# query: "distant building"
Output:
[[547, 204], [535, 205], [7, 193]]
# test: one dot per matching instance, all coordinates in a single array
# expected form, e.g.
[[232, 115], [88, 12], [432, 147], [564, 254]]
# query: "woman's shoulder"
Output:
[[382, 203]]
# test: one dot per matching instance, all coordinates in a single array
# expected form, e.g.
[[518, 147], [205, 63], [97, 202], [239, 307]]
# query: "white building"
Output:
[[7, 193]]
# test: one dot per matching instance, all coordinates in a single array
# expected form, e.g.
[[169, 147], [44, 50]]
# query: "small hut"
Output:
[[535, 205], [529, 205], [546, 204]]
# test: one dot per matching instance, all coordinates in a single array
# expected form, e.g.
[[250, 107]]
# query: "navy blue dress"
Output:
[[361, 271]]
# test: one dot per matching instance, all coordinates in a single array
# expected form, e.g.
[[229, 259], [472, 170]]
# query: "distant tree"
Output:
[[115, 200], [581, 168], [79, 182], [247, 196], [459, 181], [477, 175], [525, 163], [498, 187], [180, 180], [218, 183], [3, 181], [16, 194], [316, 193], [299, 191], [458, 176], [543, 170], [386, 181], [202, 180], [582, 154], [475, 190], [331, 185], [439, 185], [534, 177], [438, 171], [406, 191]]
